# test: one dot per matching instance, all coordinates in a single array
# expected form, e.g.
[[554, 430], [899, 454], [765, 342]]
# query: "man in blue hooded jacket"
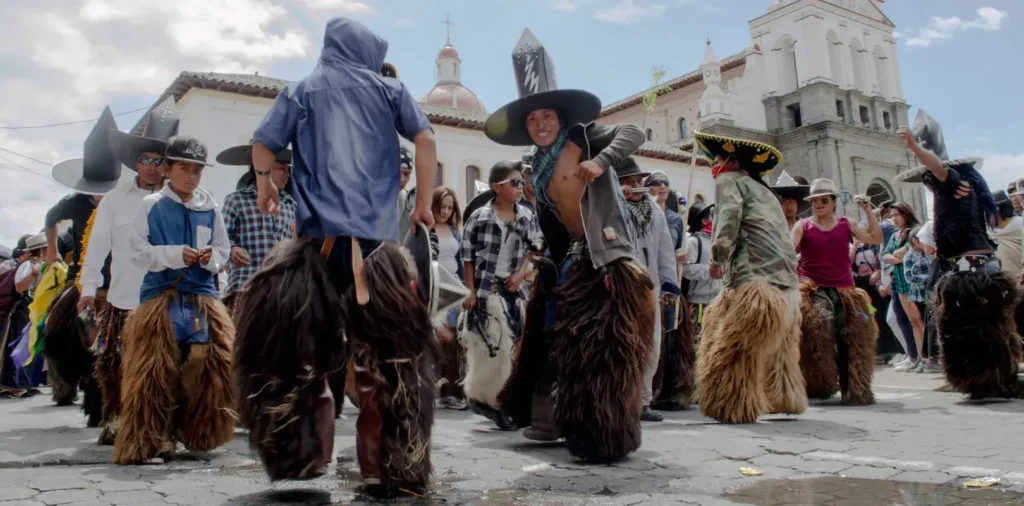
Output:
[[341, 122]]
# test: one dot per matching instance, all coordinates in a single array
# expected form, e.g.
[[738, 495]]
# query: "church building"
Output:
[[820, 80]]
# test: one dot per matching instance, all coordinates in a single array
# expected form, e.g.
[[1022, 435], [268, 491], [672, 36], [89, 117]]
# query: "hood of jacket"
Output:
[[202, 200], [348, 42]]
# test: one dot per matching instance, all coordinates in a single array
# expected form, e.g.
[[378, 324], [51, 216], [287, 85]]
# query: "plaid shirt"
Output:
[[917, 267], [481, 244], [253, 231]]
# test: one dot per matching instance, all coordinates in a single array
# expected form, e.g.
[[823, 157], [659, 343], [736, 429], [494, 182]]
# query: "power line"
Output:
[[15, 153], [18, 166], [68, 122]]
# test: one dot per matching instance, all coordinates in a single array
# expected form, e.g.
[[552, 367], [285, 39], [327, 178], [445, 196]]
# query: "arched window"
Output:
[[650, 134], [881, 71], [835, 58], [857, 53], [439, 177], [472, 176], [682, 128], [785, 51]]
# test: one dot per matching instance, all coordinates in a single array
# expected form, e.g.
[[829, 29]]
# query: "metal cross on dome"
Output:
[[448, 23]]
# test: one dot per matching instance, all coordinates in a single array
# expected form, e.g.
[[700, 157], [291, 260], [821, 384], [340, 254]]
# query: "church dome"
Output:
[[453, 95], [448, 90]]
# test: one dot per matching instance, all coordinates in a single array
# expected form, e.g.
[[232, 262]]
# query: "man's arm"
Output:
[[871, 235], [692, 270], [147, 256], [426, 169], [666, 255], [100, 243], [414, 126], [56, 214], [927, 158], [619, 141], [728, 217], [274, 134], [797, 234], [231, 218]]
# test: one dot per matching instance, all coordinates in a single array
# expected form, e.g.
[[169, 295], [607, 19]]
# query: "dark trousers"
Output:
[[511, 300], [339, 261]]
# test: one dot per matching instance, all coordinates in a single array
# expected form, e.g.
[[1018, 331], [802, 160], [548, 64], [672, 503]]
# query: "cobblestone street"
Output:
[[924, 445]]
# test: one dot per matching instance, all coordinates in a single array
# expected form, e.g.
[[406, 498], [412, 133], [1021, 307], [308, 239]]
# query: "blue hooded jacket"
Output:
[[341, 121]]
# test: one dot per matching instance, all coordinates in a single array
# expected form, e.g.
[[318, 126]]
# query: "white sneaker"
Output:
[[906, 366], [898, 358]]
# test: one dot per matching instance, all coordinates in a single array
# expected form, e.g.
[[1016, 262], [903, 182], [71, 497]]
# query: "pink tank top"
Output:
[[825, 256]]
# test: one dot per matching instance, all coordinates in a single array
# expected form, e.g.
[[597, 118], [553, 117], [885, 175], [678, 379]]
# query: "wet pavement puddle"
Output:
[[852, 491]]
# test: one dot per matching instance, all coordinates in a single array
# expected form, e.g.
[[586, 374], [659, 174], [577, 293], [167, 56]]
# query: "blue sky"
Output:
[[70, 57]]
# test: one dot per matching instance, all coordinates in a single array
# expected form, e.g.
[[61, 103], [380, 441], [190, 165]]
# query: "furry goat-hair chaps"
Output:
[[159, 388], [818, 359], [860, 333], [289, 340], [675, 379], [980, 348], [600, 345], [392, 346], [107, 370], [488, 346], [749, 358], [67, 352]]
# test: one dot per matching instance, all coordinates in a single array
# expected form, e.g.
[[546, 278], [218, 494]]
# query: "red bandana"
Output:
[[717, 169]]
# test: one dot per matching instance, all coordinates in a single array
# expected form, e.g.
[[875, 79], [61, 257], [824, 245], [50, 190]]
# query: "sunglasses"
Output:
[[517, 183], [822, 200], [151, 160]]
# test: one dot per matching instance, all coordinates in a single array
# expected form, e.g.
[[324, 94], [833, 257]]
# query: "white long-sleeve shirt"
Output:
[[111, 234]]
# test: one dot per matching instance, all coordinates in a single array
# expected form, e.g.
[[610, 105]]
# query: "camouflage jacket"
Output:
[[750, 239]]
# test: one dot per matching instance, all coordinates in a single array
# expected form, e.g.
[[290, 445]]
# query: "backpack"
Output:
[[684, 284]]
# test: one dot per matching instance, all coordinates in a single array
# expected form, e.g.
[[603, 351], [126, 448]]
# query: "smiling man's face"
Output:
[[543, 125]]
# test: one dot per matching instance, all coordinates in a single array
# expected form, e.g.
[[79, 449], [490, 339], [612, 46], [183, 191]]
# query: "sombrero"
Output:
[[749, 153], [161, 124], [438, 288], [538, 89], [97, 171]]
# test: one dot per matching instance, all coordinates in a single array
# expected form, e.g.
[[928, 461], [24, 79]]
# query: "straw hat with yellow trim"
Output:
[[751, 154]]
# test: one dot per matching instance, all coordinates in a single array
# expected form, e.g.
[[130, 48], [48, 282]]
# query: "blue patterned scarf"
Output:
[[544, 168]]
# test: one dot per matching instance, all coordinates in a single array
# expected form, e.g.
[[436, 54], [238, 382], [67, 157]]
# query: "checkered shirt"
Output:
[[253, 231], [917, 267], [481, 244]]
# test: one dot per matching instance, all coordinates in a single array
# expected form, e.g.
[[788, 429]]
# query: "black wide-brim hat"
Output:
[[751, 154], [70, 174], [128, 147], [696, 215], [477, 202], [507, 125], [799, 192], [629, 168], [242, 156], [916, 175]]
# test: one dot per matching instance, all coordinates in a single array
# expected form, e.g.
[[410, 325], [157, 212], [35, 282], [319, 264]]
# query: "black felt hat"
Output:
[[477, 202], [538, 89], [787, 187], [161, 124], [696, 215], [629, 168], [242, 156], [185, 148], [98, 170]]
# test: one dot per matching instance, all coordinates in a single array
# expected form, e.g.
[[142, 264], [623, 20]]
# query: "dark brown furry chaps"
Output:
[[530, 352], [817, 347], [289, 338], [161, 393], [107, 370], [860, 333], [391, 339], [675, 379], [67, 354], [601, 342], [974, 314]]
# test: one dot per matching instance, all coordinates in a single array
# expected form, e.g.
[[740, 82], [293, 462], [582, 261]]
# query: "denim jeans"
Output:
[[906, 328]]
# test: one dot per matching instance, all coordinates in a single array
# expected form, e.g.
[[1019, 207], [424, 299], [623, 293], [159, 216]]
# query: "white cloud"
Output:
[[1002, 168], [71, 57], [342, 6], [403, 21], [989, 20], [565, 5], [627, 11]]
